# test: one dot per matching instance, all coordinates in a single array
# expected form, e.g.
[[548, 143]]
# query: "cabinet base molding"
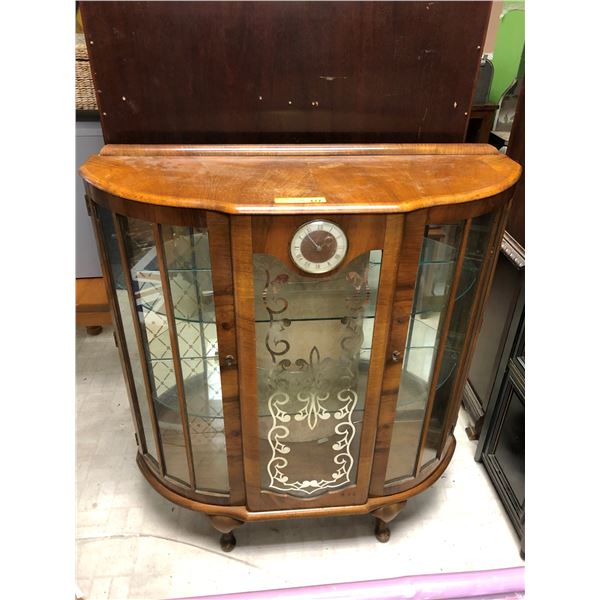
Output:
[[225, 518]]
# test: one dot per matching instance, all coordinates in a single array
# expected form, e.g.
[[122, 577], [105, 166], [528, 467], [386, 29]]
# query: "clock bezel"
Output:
[[322, 271]]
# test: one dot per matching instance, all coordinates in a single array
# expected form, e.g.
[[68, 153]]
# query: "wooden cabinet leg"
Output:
[[383, 516], [474, 432], [382, 531], [225, 525], [93, 329]]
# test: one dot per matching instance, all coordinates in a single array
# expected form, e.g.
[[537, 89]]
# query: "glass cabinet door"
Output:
[[477, 244], [163, 284], [449, 268], [437, 264], [313, 348]]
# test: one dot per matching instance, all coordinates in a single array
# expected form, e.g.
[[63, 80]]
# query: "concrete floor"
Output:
[[134, 544]]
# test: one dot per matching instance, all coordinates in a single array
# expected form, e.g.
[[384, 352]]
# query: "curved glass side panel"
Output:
[[313, 350], [112, 251], [187, 259], [477, 244], [187, 262], [149, 300], [437, 264]]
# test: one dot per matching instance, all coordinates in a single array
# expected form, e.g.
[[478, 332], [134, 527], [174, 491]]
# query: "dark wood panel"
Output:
[[494, 329], [276, 72], [504, 452], [481, 122]]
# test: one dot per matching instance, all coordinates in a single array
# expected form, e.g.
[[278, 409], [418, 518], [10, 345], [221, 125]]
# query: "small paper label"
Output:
[[307, 200]]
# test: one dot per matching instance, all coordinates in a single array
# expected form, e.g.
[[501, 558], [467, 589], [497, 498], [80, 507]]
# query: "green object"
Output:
[[510, 45]]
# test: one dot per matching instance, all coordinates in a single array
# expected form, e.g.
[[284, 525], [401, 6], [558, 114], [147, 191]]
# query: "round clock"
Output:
[[318, 246]]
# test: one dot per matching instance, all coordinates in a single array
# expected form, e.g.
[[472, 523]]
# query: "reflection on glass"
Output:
[[434, 279], [477, 244], [187, 261], [112, 250], [149, 299], [188, 269], [313, 347]]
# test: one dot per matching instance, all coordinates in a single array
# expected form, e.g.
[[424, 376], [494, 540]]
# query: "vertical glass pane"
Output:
[[112, 250], [434, 279], [313, 349], [189, 271], [141, 254], [477, 244]]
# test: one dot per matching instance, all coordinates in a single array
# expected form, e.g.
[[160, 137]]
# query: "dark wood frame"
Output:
[[233, 238]]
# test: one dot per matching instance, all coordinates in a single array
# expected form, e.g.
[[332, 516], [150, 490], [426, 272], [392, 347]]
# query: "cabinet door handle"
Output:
[[229, 360], [396, 355]]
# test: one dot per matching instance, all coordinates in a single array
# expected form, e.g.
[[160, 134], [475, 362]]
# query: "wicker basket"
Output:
[[85, 96]]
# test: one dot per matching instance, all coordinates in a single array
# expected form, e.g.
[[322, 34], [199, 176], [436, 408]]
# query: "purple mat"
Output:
[[496, 584]]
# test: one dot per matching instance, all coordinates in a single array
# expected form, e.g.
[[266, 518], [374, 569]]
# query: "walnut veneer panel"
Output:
[[375, 179]]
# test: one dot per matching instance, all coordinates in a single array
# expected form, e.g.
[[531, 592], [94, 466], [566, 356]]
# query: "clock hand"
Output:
[[314, 243]]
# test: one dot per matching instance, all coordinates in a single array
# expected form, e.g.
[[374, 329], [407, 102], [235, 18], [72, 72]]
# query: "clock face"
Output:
[[318, 246]]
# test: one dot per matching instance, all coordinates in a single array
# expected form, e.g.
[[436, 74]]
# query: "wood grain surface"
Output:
[[389, 180], [275, 72]]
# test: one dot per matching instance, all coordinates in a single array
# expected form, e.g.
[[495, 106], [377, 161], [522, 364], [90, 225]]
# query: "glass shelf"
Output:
[[448, 365], [436, 299], [201, 406], [313, 300], [285, 295], [468, 278], [435, 252]]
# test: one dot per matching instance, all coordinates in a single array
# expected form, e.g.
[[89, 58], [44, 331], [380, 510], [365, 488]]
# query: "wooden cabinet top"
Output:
[[374, 178]]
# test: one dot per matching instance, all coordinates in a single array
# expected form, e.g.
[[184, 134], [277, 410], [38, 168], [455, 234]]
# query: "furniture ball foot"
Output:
[[93, 329], [227, 542], [225, 525], [382, 531], [383, 516]]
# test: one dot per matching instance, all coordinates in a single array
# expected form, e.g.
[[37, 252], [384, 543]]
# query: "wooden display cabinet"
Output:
[[295, 322]]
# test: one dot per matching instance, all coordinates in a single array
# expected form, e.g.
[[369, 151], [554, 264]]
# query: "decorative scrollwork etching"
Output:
[[319, 393], [344, 429], [271, 300]]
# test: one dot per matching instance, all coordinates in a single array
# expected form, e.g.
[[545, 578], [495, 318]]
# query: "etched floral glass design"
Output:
[[437, 264], [313, 347]]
